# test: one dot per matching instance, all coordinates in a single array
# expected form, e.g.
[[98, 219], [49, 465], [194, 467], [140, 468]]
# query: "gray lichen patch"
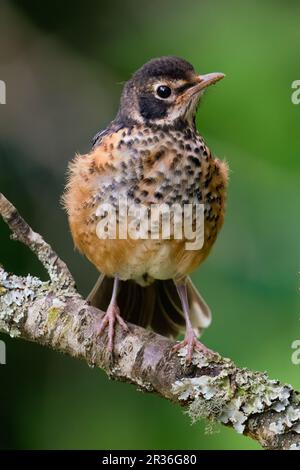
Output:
[[56, 268], [295, 447], [17, 294], [234, 395], [198, 359], [288, 420]]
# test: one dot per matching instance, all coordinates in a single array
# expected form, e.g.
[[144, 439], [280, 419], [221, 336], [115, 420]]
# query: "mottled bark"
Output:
[[54, 314]]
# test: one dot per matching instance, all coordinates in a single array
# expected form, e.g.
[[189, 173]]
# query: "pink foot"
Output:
[[110, 318], [192, 344]]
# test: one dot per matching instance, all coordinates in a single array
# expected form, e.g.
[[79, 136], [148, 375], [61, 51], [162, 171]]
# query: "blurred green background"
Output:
[[64, 64]]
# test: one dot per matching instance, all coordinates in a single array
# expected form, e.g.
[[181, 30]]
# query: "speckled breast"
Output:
[[147, 166]]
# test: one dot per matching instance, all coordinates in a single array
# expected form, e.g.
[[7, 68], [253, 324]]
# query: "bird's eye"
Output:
[[163, 91]]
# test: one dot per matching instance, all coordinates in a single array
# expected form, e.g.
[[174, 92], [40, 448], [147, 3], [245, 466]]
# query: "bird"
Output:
[[150, 154]]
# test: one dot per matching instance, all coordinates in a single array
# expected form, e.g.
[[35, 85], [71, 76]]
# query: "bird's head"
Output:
[[164, 91]]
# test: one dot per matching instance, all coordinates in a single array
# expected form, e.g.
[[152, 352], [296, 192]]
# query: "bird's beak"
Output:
[[202, 82]]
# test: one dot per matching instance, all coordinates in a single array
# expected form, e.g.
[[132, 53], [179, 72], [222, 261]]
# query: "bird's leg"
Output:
[[190, 339], [112, 316]]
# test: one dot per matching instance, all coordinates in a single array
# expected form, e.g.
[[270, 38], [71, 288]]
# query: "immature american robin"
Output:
[[151, 153]]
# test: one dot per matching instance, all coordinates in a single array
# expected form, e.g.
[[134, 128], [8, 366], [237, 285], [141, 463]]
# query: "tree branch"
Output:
[[54, 314]]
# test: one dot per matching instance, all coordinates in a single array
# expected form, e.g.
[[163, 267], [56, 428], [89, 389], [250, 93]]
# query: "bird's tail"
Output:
[[156, 306]]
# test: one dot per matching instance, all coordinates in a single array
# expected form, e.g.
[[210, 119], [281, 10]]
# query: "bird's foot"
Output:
[[193, 344], [111, 317]]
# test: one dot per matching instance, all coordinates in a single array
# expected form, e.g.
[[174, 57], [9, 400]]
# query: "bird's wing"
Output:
[[115, 126]]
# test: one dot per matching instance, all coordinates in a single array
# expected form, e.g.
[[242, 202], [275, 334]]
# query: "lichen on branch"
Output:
[[55, 315]]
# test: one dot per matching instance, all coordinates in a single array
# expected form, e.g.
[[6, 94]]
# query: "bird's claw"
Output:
[[192, 343], [111, 317]]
